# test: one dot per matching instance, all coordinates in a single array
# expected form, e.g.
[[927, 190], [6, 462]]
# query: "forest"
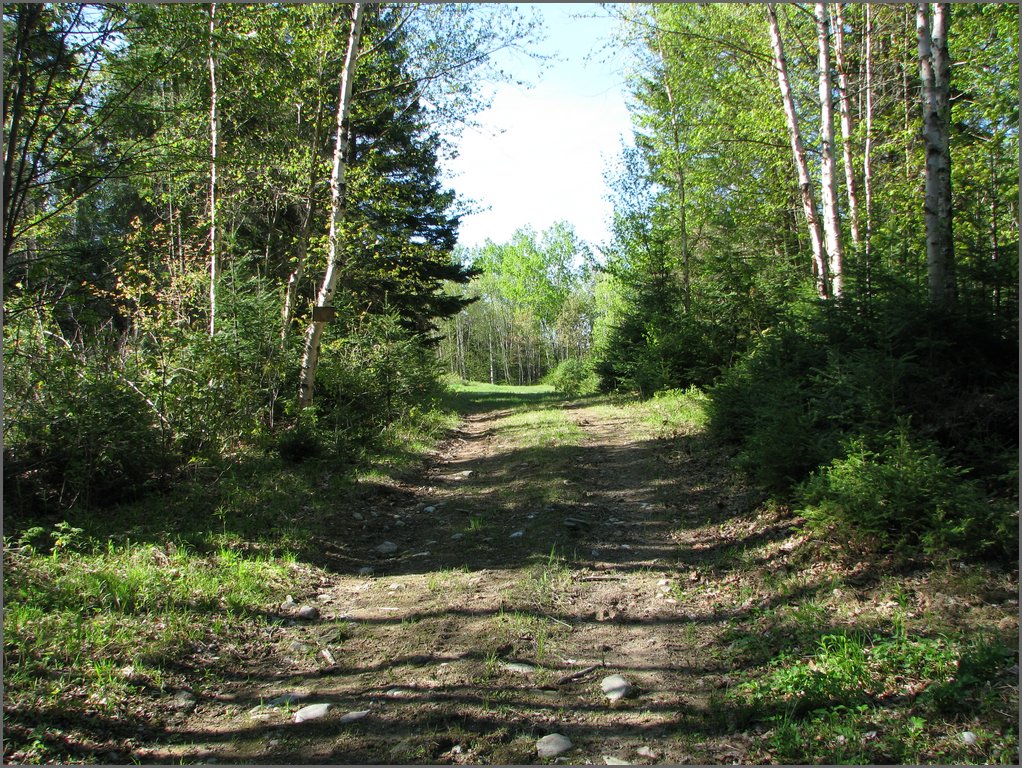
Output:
[[240, 335]]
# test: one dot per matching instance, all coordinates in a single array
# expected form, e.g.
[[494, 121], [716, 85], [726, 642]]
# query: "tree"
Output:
[[828, 171], [935, 71], [798, 151], [310, 357]]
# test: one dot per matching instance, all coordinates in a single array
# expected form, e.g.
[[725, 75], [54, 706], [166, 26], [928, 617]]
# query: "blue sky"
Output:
[[540, 153]]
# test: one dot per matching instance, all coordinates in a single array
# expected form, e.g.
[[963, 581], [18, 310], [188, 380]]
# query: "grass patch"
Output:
[[479, 397], [871, 699]]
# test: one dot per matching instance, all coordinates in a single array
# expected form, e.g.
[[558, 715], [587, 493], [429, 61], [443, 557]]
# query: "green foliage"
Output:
[[891, 396], [372, 376], [77, 429], [832, 707], [904, 493], [573, 378]]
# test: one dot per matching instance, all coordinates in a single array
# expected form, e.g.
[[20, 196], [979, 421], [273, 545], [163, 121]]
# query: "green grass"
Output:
[[78, 618], [113, 603], [479, 397], [865, 699]]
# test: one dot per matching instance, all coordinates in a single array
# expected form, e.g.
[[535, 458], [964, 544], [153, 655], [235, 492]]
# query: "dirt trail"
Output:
[[538, 553]]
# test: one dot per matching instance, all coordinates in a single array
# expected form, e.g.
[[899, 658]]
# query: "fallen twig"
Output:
[[576, 675]]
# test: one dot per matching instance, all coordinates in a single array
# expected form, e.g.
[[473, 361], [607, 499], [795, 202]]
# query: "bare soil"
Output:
[[524, 574]]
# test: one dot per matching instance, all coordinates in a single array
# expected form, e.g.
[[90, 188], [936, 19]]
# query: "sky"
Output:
[[540, 153]]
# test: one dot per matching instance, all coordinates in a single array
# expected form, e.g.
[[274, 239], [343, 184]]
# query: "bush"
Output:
[[79, 433], [902, 493], [833, 371], [372, 376], [573, 378]]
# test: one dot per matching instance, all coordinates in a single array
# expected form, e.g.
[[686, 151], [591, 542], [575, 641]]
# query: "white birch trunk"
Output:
[[214, 145], [935, 70], [867, 157], [799, 152], [310, 356], [845, 112], [828, 180]]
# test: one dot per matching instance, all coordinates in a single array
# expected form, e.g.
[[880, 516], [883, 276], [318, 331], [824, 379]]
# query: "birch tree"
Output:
[[310, 356], [935, 71], [214, 141], [828, 181], [845, 111], [798, 151]]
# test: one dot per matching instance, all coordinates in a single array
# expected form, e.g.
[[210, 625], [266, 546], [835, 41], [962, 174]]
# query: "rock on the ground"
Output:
[[517, 534], [615, 687], [183, 701], [387, 548], [553, 745], [645, 751], [516, 666], [308, 612], [311, 712], [351, 717], [611, 760], [969, 738]]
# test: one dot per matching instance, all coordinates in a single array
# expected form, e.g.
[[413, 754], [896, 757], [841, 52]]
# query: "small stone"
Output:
[[387, 548], [183, 701], [517, 666], [394, 587], [517, 534], [398, 693], [615, 687], [351, 717], [553, 745], [456, 536], [423, 553], [429, 510], [969, 738], [609, 760], [308, 612], [311, 712], [646, 752], [357, 515]]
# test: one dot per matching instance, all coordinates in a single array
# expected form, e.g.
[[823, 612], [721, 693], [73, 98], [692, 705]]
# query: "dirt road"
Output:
[[476, 608]]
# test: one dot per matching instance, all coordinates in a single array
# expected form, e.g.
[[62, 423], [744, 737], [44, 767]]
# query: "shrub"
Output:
[[77, 430], [573, 378], [902, 493]]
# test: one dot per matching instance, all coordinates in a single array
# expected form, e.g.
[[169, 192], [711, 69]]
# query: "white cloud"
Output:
[[539, 158]]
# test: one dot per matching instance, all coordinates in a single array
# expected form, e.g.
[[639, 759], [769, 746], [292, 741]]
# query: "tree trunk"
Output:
[[935, 70], [799, 153], [867, 157], [846, 123], [828, 180], [14, 112], [310, 356], [214, 141]]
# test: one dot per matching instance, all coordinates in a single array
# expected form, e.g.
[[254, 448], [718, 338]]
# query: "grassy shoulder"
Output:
[[107, 610]]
